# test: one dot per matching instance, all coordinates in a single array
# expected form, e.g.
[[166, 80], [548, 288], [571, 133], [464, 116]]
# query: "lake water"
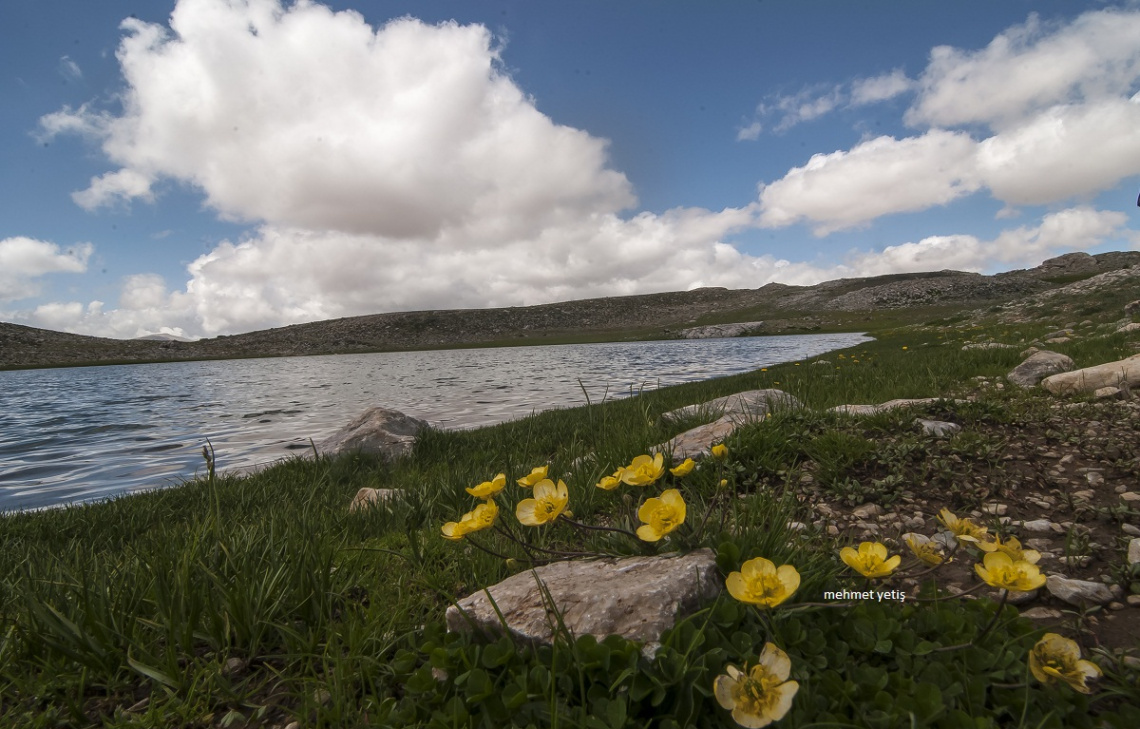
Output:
[[77, 434]]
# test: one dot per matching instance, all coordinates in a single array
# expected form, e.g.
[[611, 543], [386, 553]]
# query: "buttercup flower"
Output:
[[643, 470], [684, 469], [487, 489], [548, 502], [535, 475], [964, 529], [760, 582], [1002, 572], [609, 483], [1012, 547], [871, 559], [759, 696], [720, 450], [1056, 658], [925, 548], [481, 517], [661, 516]]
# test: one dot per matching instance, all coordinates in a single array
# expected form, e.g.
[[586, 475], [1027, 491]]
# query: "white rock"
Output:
[[1042, 526], [1130, 530], [730, 412], [1041, 613], [1078, 592], [1104, 393], [366, 497], [638, 598], [938, 428], [1134, 551], [1130, 496], [866, 511], [1038, 365], [1090, 379], [995, 509]]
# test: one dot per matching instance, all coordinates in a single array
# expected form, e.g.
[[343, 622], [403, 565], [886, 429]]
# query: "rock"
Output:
[[1076, 560], [866, 511], [1090, 379], [1130, 496], [1130, 529], [889, 405], [366, 497], [743, 406], [1132, 307], [1041, 613], [1042, 526], [638, 598], [1129, 327], [1104, 393], [731, 412], [995, 509], [1037, 366], [1133, 600], [1017, 597], [938, 428], [382, 431], [1078, 592], [1029, 352], [1134, 551], [986, 345], [714, 331]]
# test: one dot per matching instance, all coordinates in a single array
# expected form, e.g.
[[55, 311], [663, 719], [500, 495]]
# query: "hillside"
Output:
[[830, 306]]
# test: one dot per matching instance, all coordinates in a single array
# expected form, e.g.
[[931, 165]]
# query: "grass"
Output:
[[259, 601]]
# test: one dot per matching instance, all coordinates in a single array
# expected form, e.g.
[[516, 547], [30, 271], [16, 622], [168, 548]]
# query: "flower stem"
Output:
[[591, 527]]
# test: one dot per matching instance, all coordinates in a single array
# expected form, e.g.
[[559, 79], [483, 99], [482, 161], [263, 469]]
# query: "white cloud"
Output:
[[750, 133], [880, 176], [24, 260], [70, 70], [1030, 68], [880, 88]]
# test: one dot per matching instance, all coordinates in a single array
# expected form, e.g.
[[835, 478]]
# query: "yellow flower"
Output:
[[643, 470], [609, 483], [684, 469], [760, 696], [487, 489], [481, 517], [535, 475], [871, 559], [760, 582], [720, 450], [1056, 658], [1012, 547], [904, 349], [661, 516], [1002, 572], [925, 548], [548, 502], [964, 529]]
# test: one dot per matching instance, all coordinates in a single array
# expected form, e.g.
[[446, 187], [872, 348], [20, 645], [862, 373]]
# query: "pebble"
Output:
[[866, 511], [1094, 478], [1115, 605], [1121, 489], [1086, 495], [1039, 544], [1078, 592], [832, 530], [1042, 526], [1041, 613], [797, 526], [1130, 496], [1130, 529], [995, 509], [1076, 561], [1133, 600], [1134, 551]]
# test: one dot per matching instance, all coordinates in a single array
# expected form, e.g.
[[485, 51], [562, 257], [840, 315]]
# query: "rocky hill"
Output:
[[832, 305]]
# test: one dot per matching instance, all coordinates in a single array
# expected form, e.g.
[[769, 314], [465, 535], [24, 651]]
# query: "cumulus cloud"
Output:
[[1030, 68], [879, 176], [1060, 104], [24, 260]]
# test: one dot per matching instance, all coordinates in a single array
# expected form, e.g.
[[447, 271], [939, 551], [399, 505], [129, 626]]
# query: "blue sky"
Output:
[[206, 167]]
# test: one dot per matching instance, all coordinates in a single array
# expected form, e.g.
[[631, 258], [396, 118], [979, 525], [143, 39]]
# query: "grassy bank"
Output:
[[261, 601]]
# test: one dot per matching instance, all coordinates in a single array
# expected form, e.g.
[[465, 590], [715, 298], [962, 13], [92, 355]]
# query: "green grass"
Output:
[[258, 601]]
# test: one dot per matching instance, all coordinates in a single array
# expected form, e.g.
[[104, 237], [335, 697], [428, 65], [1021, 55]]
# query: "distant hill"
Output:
[[162, 338], [840, 305]]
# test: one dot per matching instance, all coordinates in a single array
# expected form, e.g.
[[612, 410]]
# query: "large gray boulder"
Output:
[[730, 412], [1037, 366], [1125, 372], [713, 331], [381, 431], [638, 598]]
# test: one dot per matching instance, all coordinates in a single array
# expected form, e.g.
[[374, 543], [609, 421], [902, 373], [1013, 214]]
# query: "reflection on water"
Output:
[[82, 433]]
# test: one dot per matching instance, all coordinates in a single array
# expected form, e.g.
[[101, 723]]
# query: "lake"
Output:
[[83, 433]]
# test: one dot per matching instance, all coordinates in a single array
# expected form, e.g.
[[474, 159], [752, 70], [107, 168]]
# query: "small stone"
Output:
[[866, 511], [1116, 605], [1133, 600], [1132, 662], [995, 509], [1042, 526], [366, 497], [1121, 489], [832, 530], [797, 526], [293, 725], [938, 428], [1104, 393], [1078, 592], [1094, 478], [1040, 545], [1130, 497], [1017, 597], [915, 522], [1076, 561], [233, 666], [1134, 551], [1085, 495], [1130, 529], [1042, 613], [322, 696]]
